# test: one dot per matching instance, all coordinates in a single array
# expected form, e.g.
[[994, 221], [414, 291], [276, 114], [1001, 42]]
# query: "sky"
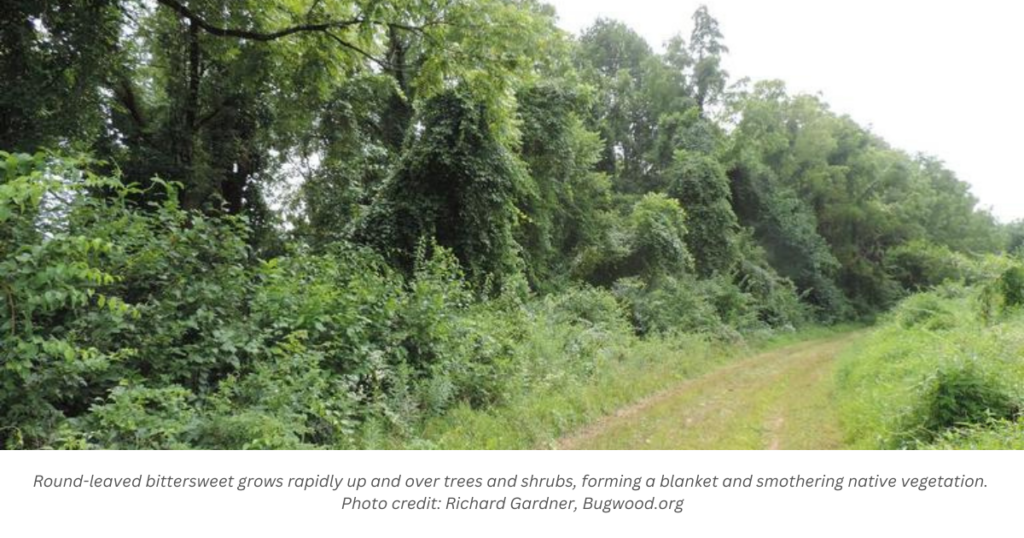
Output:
[[941, 78]]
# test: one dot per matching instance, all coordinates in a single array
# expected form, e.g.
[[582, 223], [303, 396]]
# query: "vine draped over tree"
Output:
[[297, 223]]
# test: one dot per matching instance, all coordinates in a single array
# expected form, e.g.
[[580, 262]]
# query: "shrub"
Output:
[[588, 307], [140, 417], [152, 327], [927, 311], [932, 373], [648, 243], [671, 306], [659, 237], [775, 298], [288, 399], [188, 278], [1011, 285], [920, 265], [960, 396], [57, 312], [1003, 294]]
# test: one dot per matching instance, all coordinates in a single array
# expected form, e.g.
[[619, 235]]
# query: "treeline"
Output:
[[303, 221]]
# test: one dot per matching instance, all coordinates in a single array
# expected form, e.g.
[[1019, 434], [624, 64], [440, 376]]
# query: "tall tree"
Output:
[[54, 57], [702, 187], [457, 185], [567, 197], [706, 50], [634, 88]]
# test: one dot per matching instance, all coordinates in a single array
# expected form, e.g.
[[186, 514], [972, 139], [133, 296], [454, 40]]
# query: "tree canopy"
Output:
[[363, 203]]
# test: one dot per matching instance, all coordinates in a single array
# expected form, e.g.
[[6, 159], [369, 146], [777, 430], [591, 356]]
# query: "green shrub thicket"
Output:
[[145, 325], [945, 370]]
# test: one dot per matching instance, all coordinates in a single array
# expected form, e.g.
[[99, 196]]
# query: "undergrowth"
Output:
[[944, 370]]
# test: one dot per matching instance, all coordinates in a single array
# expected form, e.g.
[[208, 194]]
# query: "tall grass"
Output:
[[629, 370], [938, 372]]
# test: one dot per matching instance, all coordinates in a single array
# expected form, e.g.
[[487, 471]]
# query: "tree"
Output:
[[706, 50], [567, 197], [457, 185], [634, 88], [783, 223], [1015, 237], [658, 224], [53, 58], [647, 242], [701, 186]]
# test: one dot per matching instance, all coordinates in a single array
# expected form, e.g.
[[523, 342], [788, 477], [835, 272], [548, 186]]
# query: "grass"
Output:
[[780, 399], [935, 375], [631, 373], [997, 435]]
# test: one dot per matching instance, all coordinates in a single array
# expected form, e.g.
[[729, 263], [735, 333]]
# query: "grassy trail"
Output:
[[776, 400]]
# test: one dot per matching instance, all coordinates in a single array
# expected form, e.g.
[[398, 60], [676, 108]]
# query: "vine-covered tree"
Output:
[[249, 223], [701, 186], [458, 185]]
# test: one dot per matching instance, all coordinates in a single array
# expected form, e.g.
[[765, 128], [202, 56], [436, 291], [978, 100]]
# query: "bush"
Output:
[[932, 373], [659, 237], [919, 265], [1011, 285], [588, 307], [152, 327], [649, 243], [288, 399], [1004, 294], [775, 298], [57, 311], [672, 306], [927, 311], [139, 417], [960, 396]]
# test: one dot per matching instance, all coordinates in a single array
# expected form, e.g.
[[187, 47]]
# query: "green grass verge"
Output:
[[630, 373], [780, 399], [935, 375]]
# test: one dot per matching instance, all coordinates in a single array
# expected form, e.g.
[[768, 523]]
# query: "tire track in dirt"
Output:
[[780, 399]]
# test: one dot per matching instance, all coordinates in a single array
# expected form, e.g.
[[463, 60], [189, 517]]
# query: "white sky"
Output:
[[941, 78]]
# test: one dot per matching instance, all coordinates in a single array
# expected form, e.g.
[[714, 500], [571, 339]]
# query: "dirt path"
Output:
[[776, 400]]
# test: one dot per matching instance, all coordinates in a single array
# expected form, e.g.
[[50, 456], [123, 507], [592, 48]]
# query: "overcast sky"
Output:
[[942, 78]]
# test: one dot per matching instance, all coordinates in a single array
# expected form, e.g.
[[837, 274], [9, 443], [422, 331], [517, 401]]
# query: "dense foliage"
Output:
[[944, 371], [319, 222]]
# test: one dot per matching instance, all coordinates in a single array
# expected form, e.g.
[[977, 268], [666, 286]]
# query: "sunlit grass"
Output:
[[935, 345], [632, 372]]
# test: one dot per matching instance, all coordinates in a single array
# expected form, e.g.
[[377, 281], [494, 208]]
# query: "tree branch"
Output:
[[384, 64], [206, 118], [126, 94], [187, 13]]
